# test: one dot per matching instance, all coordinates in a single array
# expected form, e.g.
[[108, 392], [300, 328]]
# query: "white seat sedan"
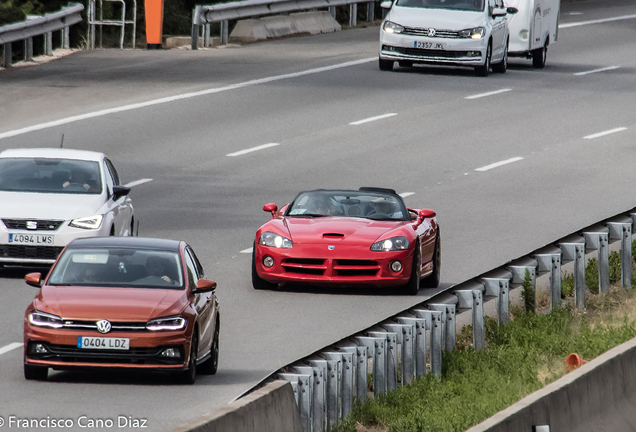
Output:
[[52, 196], [446, 32]]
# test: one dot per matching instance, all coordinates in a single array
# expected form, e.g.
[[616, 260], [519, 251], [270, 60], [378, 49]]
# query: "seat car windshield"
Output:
[[50, 176], [466, 5], [129, 268], [369, 205]]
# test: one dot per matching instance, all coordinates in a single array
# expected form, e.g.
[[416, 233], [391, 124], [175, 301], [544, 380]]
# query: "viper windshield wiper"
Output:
[[309, 215]]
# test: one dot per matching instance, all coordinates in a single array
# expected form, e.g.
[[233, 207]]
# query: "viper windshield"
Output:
[[369, 205], [121, 267], [466, 5], [50, 176]]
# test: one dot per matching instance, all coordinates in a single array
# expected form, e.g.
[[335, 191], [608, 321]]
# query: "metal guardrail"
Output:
[[40, 25], [326, 382], [204, 15]]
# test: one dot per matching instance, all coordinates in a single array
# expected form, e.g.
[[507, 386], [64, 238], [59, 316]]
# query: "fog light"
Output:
[[268, 261], [170, 352], [396, 266], [40, 349]]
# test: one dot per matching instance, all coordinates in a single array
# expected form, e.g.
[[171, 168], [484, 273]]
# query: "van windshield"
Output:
[[465, 5]]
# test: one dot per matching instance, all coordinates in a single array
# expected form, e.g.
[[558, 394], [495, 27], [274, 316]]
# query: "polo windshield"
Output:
[[369, 205], [131, 268], [43, 175], [466, 5]]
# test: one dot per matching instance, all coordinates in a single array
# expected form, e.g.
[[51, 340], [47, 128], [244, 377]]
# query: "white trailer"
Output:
[[533, 29]]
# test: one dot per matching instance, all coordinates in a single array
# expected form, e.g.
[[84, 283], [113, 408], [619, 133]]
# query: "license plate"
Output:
[[34, 239], [429, 45], [89, 342]]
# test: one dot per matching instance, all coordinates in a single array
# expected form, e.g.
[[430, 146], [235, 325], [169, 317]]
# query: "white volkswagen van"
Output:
[[533, 29], [446, 32]]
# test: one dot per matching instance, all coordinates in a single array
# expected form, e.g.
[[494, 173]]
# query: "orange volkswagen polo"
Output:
[[123, 302]]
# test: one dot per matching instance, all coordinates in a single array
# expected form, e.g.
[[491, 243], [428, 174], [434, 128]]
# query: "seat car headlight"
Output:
[[392, 244], [475, 33], [43, 319], [167, 323], [275, 240], [391, 27], [89, 222]]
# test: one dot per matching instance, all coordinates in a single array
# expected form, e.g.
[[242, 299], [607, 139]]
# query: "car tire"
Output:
[[386, 65], [432, 280], [35, 373], [189, 376], [484, 70], [257, 282], [211, 365], [539, 56], [413, 285], [112, 231], [502, 66], [406, 64]]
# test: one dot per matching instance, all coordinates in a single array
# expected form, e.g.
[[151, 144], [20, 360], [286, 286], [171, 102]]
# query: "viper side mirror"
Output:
[[271, 208]]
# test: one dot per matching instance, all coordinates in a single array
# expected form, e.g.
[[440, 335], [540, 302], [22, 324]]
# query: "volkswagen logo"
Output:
[[331, 247], [431, 32], [32, 225], [103, 326]]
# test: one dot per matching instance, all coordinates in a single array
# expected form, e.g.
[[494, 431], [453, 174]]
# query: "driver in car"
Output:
[[80, 178], [323, 205], [383, 206], [157, 266]]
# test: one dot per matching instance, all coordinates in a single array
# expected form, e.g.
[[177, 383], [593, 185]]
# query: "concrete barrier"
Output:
[[308, 23], [599, 396], [271, 408]]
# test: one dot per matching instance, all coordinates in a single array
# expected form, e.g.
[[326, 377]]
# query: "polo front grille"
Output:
[[420, 52], [42, 224], [30, 252], [115, 326], [417, 31]]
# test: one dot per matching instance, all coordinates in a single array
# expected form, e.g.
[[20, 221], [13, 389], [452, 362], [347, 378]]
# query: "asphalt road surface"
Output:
[[567, 139]]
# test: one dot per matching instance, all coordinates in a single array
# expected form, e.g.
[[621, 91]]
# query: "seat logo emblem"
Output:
[[32, 225], [431, 32], [331, 247], [103, 326]]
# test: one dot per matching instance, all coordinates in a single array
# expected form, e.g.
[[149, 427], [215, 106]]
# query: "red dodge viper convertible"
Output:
[[345, 238]]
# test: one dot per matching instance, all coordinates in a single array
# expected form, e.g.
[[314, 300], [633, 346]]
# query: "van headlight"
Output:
[[475, 33], [391, 27], [89, 222]]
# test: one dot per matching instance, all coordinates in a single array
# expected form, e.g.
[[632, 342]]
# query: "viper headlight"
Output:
[[392, 244], [167, 323], [475, 33], [89, 222], [275, 240], [43, 319], [391, 27]]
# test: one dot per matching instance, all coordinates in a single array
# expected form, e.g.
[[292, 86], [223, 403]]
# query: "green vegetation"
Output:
[[527, 293]]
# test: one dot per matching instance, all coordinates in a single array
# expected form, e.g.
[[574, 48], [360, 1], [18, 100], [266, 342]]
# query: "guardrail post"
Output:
[[206, 35], [376, 348], [405, 338], [304, 396], [621, 229], [371, 11], [390, 370], [448, 320], [334, 369], [470, 296], [48, 44], [518, 269], [225, 31], [7, 54], [359, 367], [573, 249], [436, 343], [353, 14], [549, 261], [347, 375], [332, 11], [497, 284], [420, 325], [195, 37], [597, 238], [28, 49], [317, 391]]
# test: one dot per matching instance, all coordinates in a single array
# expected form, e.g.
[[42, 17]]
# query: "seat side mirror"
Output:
[[120, 191], [204, 285], [34, 279], [271, 208], [386, 4]]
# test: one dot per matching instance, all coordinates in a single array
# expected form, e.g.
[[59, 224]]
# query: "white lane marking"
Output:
[[137, 182], [253, 149], [406, 194], [600, 134], [575, 13], [370, 119], [498, 164], [182, 96], [10, 347], [597, 70], [477, 96], [246, 251], [598, 21]]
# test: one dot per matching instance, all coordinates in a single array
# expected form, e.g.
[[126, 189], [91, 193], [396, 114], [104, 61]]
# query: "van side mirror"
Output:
[[512, 10], [271, 208], [386, 4], [34, 279]]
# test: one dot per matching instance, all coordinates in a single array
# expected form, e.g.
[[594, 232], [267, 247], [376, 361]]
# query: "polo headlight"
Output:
[[167, 323], [475, 33], [391, 27], [274, 240], [43, 319], [89, 222], [392, 244]]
